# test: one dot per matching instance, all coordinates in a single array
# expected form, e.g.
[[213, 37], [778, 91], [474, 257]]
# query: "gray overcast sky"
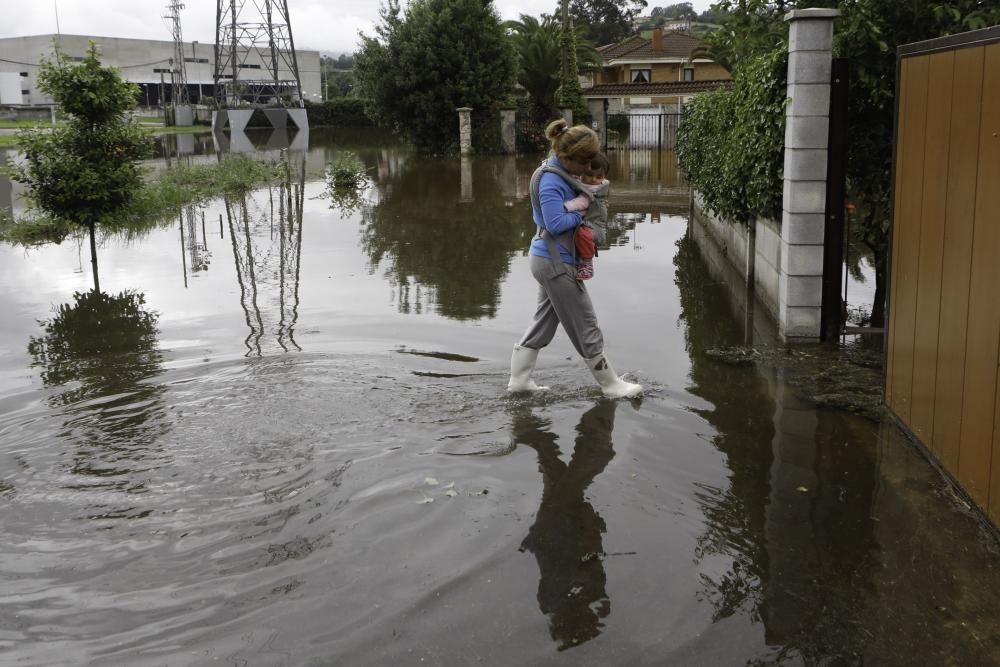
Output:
[[325, 25]]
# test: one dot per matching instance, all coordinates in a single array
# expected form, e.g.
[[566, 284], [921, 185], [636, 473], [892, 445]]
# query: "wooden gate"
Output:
[[943, 344]]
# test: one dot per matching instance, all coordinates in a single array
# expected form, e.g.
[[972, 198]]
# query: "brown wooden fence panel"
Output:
[[975, 448], [906, 237], [988, 211], [943, 345], [963, 158], [932, 213]]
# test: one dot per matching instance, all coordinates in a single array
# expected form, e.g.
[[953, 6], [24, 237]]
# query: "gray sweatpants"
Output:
[[562, 300]]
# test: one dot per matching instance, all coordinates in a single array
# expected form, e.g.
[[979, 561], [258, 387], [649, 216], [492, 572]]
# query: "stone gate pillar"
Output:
[[807, 126], [508, 130], [465, 130]]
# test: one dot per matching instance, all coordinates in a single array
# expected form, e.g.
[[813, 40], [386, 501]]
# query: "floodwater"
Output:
[[281, 437]]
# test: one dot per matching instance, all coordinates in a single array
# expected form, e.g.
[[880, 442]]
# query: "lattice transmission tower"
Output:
[[180, 89], [255, 61]]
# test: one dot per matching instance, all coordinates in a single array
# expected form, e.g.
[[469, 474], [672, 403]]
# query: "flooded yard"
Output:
[[283, 438]]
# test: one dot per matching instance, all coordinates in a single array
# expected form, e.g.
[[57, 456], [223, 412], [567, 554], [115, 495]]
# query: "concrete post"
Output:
[[567, 114], [807, 123], [508, 131], [466, 179], [508, 177], [600, 120], [465, 130]]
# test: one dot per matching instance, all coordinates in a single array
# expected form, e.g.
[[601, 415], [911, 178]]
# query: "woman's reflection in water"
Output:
[[566, 537]]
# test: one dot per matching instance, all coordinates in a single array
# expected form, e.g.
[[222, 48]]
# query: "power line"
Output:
[[155, 62]]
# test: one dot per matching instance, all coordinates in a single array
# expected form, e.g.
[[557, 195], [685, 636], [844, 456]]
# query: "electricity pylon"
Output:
[[180, 90], [255, 61]]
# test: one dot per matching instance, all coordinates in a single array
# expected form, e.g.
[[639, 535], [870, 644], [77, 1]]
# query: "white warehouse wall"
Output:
[[137, 59]]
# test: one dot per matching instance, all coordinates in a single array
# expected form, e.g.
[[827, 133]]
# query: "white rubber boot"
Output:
[[522, 363], [612, 385]]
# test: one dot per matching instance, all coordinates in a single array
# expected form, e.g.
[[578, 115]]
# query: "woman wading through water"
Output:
[[562, 299]]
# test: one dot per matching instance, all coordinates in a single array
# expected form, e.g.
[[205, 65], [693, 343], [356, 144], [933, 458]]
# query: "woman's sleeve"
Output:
[[556, 219]]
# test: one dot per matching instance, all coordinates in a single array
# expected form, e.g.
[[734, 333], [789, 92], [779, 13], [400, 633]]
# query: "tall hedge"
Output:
[[338, 112], [731, 140]]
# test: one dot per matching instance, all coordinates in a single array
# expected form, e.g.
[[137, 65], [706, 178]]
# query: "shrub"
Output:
[[347, 171]]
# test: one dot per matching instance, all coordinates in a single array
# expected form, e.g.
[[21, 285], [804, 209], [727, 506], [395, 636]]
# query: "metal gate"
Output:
[[529, 133], [643, 130]]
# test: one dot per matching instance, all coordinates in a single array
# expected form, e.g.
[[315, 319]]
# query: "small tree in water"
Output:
[[87, 172]]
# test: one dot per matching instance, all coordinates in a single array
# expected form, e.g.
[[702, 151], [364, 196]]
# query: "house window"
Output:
[[688, 74], [25, 92], [24, 74], [196, 60], [641, 75]]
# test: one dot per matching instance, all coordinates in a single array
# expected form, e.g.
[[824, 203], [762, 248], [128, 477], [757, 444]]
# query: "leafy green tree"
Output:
[[539, 51], [751, 28], [338, 81], [425, 62], [87, 172], [570, 96], [606, 21], [868, 33], [681, 11]]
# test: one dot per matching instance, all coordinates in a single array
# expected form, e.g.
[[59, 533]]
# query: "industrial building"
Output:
[[147, 63]]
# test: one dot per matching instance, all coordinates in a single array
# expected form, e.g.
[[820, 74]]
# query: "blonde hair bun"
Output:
[[578, 143]]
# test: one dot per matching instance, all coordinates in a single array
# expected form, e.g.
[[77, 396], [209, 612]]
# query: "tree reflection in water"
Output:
[[567, 536], [104, 346], [442, 249]]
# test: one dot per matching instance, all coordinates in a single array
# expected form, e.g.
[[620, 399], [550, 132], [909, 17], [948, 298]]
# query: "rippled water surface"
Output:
[[281, 437]]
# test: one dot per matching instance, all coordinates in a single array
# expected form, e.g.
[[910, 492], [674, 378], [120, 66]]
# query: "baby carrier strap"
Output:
[[565, 239]]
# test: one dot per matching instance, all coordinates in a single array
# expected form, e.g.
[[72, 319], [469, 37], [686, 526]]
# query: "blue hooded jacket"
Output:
[[553, 192]]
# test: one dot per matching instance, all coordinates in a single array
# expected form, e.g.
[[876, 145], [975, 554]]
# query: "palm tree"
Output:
[[540, 59]]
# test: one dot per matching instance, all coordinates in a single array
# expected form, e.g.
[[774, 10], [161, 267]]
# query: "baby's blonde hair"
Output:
[[579, 143]]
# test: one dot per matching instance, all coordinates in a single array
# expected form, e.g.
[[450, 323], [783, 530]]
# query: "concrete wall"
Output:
[[137, 59], [710, 72], [721, 244], [665, 72], [25, 113], [730, 242]]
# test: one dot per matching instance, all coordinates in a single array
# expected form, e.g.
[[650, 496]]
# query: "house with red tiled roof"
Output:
[[661, 72]]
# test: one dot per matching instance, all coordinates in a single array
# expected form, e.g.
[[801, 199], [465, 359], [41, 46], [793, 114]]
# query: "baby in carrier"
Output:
[[595, 220]]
